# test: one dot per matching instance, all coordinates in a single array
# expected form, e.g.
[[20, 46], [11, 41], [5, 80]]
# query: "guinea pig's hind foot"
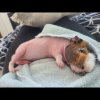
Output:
[[11, 67]]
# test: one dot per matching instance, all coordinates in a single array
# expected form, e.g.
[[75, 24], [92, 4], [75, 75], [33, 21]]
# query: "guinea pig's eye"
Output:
[[81, 50]]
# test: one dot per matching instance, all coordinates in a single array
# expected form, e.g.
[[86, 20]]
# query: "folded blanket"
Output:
[[46, 73]]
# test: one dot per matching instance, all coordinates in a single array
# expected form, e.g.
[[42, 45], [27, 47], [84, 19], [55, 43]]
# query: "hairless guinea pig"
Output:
[[73, 52]]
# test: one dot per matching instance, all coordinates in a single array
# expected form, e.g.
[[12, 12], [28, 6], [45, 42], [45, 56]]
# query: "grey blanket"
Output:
[[45, 72]]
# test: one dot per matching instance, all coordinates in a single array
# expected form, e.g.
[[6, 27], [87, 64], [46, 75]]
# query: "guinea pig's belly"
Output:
[[35, 55]]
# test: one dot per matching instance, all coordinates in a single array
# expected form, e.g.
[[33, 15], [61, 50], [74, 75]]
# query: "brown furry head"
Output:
[[76, 52]]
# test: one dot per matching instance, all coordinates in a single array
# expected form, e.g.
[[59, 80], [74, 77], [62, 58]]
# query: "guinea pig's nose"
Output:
[[82, 73]]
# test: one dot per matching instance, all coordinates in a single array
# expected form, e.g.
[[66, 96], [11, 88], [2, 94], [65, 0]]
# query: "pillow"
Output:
[[37, 19]]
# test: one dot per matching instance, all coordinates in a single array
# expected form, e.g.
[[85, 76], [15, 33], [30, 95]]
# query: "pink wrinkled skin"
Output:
[[38, 48]]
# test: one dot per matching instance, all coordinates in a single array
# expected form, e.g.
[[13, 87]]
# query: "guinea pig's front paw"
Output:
[[60, 64]]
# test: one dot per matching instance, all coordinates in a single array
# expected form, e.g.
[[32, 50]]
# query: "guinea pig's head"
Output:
[[78, 56]]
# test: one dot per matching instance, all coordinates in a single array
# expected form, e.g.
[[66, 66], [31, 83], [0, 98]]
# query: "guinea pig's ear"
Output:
[[80, 41], [76, 40]]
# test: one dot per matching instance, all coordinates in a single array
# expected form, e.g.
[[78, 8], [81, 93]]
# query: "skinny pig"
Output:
[[53, 47]]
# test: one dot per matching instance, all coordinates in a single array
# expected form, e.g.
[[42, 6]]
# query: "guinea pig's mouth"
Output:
[[80, 73]]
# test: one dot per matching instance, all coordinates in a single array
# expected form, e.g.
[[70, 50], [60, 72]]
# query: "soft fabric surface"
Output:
[[90, 21], [45, 72]]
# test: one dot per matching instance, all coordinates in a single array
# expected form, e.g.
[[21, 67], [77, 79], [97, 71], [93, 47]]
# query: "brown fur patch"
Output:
[[76, 52]]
